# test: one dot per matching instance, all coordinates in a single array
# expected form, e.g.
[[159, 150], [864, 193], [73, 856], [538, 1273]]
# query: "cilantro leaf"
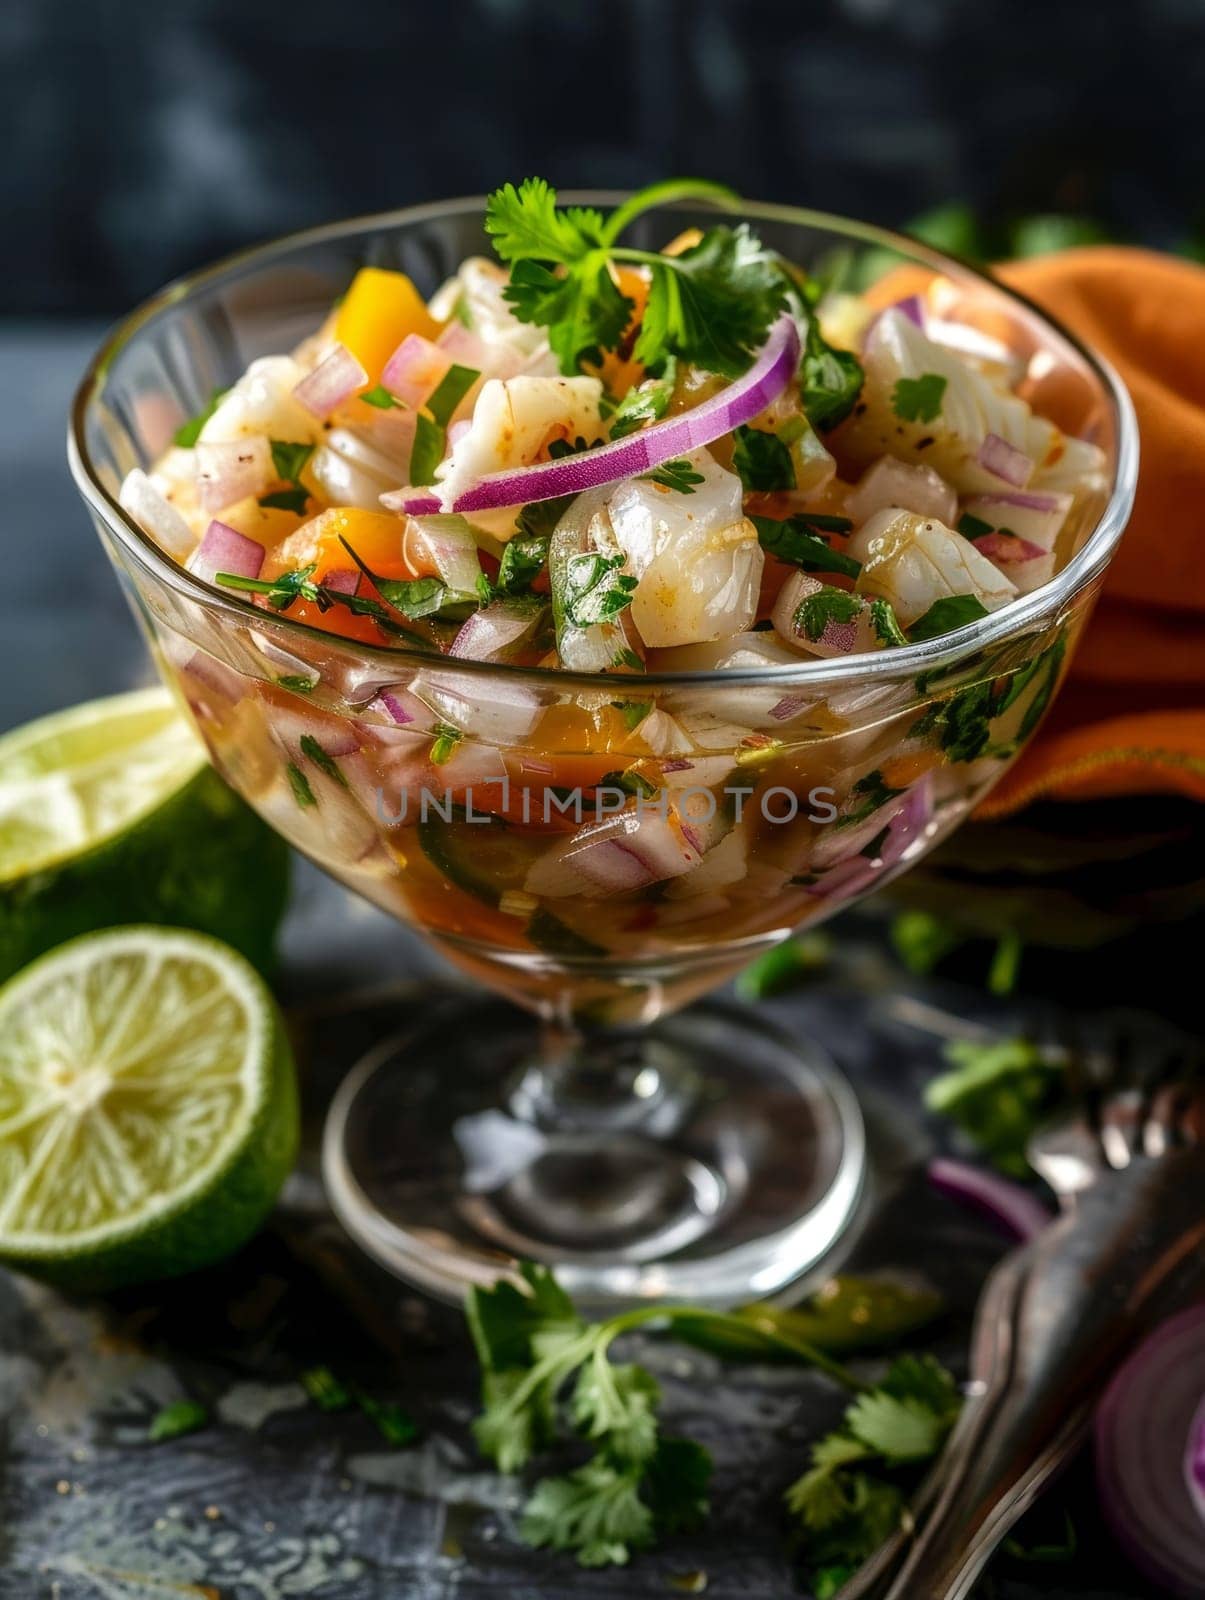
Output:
[[830, 380], [523, 559], [174, 1421], [997, 1094], [972, 527], [897, 1430], [584, 311], [596, 1511], [294, 500], [647, 403], [950, 612], [886, 625], [762, 461], [300, 785], [677, 475], [619, 1404], [289, 459], [526, 224], [814, 614], [379, 397], [415, 597], [918, 399], [675, 1485], [799, 541], [187, 434], [713, 304], [595, 589], [314, 752]]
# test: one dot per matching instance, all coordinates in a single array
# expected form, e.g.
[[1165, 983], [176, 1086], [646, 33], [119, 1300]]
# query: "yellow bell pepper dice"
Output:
[[377, 313]]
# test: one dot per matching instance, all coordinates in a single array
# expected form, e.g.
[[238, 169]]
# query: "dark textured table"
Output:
[[275, 1499]]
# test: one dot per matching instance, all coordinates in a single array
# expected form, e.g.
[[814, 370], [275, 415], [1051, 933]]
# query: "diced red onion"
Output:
[[1017, 1211], [225, 549], [1194, 1462], [1008, 549], [1024, 501], [155, 515], [332, 381], [227, 473], [415, 370], [344, 580], [1142, 1430], [1004, 461], [677, 766], [647, 448], [464, 347], [624, 852], [497, 628], [911, 306], [447, 544], [402, 710]]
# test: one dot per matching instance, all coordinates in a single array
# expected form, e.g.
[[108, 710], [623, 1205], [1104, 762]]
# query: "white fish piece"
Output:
[[262, 402], [914, 561], [514, 420], [476, 292], [910, 488], [973, 405], [696, 556]]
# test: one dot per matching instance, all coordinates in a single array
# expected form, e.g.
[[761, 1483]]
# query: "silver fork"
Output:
[[1057, 1318]]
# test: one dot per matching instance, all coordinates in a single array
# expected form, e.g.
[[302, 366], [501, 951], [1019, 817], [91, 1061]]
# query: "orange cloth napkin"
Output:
[[1130, 718]]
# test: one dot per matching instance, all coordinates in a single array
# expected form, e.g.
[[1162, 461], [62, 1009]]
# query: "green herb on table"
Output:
[[325, 1390], [790, 964], [174, 1421], [919, 399], [845, 1511], [534, 1348], [922, 940], [998, 1094], [844, 1315]]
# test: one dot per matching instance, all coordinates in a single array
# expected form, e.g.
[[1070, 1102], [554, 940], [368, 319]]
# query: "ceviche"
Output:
[[623, 462]]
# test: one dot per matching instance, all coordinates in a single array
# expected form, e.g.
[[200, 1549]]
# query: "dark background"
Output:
[[142, 137]]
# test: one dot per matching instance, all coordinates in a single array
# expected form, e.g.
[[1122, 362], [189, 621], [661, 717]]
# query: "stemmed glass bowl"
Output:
[[644, 1147]]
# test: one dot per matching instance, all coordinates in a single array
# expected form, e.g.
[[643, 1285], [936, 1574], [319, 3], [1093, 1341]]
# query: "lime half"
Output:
[[148, 1108], [109, 813]]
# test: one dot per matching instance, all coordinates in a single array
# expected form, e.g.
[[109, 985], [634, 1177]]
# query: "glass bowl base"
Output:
[[709, 1157]]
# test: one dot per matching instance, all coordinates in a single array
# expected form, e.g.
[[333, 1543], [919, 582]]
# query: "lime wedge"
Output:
[[148, 1108], [109, 814]]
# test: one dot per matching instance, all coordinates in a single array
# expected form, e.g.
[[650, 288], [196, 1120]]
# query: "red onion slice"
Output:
[[1194, 1463], [225, 549], [494, 630], [1143, 1428], [639, 452], [1004, 461], [227, 473], [332, 381], [1017, 1212]]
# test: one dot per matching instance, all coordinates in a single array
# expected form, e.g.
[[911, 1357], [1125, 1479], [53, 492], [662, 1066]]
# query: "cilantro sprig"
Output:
[[919, 399], [285, 590], [540, 1361], [800, 541], [711, 304]]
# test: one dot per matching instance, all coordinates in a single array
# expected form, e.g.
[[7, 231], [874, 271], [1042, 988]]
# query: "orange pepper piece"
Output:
[[377, 313]]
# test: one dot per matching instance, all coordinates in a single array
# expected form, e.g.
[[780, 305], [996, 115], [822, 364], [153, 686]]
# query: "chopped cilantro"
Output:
[[595, 589], [814, 614], [886, 626], [799, 541], [789, 965], [630, 782], [763, 461], [453, 387], [431, 424], [289, 460], [830, 380], [187, 434], [648, 403], [972, 527], [522, 562], [297, 683], [294, 500], [311, 749], [677, 475], [446, 738], [944, 615], [872, 792], [415, 597], [918, 399], [300, 786], [633, 712], [922, 940], [181, 1417], [325, 1390], [998, 1093], [380, 398]]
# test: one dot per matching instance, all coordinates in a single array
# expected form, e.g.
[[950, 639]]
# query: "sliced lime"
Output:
[[148, 1108], [110, 814]]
